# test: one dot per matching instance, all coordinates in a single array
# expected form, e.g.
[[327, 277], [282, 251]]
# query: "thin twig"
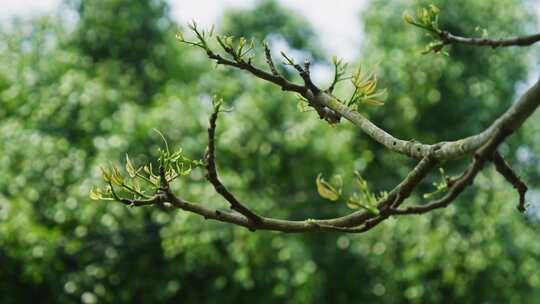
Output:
[[212, 175], [283, 83], [505, 170], [270, 61]]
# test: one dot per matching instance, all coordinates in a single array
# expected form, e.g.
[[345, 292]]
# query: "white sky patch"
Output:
[[337, 22], [26, 8]]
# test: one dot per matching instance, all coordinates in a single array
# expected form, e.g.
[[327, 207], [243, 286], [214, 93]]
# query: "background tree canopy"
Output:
[[75, 96]]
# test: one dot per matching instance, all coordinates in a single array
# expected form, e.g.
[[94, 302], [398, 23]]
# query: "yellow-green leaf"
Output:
[[361, 182], [229, 41], [116, 177], [372, 102], [181, 171], [129, 167], [148, 169], [105, 174], [95, 194], [154, 180], [408, 18], [353, 202], [326, 190]]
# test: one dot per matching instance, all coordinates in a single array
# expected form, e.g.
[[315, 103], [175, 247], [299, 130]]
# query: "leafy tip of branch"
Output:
[[139, 181]]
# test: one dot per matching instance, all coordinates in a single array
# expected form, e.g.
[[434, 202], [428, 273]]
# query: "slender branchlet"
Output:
[[506, 171], [428, 20]]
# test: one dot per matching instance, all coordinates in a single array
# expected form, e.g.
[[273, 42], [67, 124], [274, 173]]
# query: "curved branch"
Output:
[[483, 145], [356, 222], [449, 38], [398, 195], [359, 222], [466, 179], [283, 83], [331, 109], [511, 120], [212, 175]]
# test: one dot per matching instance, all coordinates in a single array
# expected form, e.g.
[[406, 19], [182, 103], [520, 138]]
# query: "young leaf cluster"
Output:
[[365, 89], [200, 36], [440, 187], [340, 69], [428, 20], [365, 198], [118, 184], [237, 48], [140, 182]]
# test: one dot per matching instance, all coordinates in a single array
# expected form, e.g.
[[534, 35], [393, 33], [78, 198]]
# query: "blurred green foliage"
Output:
[[74, 99]]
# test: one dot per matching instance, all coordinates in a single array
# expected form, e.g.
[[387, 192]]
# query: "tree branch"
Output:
[[505, 170], [466, 179], [331, 109], [449, 38], [283, 83], [270, 61], [212, 175], [356, 222], [511, 120]]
